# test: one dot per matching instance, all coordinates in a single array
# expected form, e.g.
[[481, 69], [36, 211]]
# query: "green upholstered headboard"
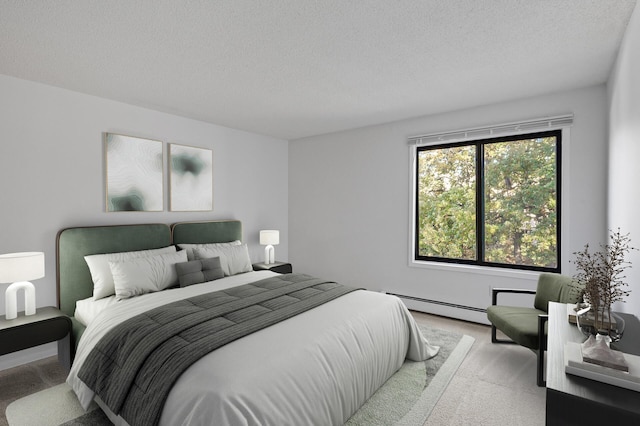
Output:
[[215, 231], [73, 276]]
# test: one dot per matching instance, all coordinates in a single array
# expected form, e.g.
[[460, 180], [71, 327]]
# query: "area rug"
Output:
[[407, 398]]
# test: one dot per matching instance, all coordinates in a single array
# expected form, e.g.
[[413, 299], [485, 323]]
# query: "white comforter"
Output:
[[317, 368]]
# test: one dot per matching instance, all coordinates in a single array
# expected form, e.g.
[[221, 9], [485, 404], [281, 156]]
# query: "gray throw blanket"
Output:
[[134, 366]]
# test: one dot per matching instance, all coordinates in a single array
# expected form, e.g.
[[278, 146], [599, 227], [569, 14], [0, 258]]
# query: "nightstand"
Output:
[[279, 267], [47, 325]]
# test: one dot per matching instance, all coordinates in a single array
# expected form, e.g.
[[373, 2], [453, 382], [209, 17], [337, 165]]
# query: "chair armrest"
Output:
[[495, 291]]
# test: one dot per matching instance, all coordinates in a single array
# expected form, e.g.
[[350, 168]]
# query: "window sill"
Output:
[[475, 269]]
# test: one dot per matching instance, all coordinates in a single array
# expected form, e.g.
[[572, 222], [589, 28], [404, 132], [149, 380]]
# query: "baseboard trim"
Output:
[[438, 302], [446, 309]]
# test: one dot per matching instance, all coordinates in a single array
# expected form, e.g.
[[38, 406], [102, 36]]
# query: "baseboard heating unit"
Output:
[[438, 302]]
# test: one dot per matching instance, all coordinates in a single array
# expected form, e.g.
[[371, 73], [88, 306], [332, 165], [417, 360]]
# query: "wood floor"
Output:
[[495, 385]]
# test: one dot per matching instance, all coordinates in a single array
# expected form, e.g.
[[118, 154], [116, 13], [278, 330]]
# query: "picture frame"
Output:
[[190, 178], [134, 173]]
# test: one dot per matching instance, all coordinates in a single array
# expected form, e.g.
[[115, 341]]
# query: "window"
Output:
[[492, 202]]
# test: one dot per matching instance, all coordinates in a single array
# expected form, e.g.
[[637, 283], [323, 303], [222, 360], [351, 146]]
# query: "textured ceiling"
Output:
[[295, 68]]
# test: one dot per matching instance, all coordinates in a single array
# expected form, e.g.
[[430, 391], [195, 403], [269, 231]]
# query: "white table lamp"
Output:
[[19, 269], [269, 238]]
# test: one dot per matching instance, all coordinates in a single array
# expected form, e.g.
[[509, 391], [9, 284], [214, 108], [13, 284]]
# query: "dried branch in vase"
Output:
[[601, 276]]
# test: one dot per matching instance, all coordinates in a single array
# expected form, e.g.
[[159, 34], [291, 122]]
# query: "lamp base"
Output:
[[269, 256], [11, 299]]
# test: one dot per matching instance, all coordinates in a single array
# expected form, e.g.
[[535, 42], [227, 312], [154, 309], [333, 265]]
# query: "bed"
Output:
[[317, 367]]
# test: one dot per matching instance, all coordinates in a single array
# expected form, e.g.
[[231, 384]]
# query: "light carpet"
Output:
[[407, 398]]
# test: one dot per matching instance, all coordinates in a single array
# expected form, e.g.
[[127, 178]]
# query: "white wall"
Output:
[[349, 201], [52, 175], [624, 151]]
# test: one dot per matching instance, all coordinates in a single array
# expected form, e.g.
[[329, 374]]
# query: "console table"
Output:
[[573, 400]]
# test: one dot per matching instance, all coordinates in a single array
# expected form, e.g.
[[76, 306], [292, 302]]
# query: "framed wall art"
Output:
[[134, 174], [190, 178]]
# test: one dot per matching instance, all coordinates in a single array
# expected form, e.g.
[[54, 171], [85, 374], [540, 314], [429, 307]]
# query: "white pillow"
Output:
[[233, 259], [189, 247], [134, 277], [101, 273]]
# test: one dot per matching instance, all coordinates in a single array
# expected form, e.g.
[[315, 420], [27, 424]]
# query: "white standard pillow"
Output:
[[233, 259], [101, 273], [145, 274], [189, 247]]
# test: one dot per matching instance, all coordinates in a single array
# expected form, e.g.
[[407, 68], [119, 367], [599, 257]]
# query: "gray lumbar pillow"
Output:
[[199, 271]]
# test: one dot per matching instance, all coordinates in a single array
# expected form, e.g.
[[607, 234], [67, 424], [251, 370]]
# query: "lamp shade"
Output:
[[16, 267], [270, 237]]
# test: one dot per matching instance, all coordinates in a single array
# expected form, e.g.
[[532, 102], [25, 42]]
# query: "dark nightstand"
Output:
[[279, 267], [47, 325]]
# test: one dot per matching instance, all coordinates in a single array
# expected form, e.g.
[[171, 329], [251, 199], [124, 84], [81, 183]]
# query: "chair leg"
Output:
[[542, 347], [494, 337], [540, 376]]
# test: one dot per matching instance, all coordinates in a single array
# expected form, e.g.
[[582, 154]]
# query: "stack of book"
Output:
[[614, 367]]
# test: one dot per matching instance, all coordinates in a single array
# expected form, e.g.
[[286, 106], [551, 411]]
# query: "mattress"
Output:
[[316, 368]]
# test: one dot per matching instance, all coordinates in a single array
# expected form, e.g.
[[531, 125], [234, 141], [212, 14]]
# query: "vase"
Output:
[[598, 320]]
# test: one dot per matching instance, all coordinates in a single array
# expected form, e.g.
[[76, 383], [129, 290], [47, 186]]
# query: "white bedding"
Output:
[[89, 308], [316, 368]]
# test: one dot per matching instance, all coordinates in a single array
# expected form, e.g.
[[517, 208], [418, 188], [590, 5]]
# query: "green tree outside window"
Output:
[[490, 202]]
